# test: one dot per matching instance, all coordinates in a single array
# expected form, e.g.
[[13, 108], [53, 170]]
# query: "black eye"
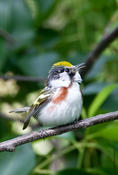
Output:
[[61, 70], [66, 70]]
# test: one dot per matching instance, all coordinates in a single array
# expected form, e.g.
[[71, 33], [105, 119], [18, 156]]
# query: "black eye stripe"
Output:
[[60, 70], [55, 73], [72, 74], [66, 70]]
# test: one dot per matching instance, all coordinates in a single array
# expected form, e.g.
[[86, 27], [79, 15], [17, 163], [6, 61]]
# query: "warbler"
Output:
[[60, 102]]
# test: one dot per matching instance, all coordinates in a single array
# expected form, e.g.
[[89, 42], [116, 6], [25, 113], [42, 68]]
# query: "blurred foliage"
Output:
[[33, 35]]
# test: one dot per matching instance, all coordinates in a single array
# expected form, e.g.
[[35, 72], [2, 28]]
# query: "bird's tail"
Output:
[[20, 110]]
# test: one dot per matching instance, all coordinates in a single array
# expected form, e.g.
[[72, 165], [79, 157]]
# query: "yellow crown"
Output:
[[63, 63]]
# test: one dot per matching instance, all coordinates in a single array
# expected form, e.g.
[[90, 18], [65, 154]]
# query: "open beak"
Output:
[[80, 66]]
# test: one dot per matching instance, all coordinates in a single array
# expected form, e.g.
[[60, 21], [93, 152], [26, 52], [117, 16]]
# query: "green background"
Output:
[[34, 34]]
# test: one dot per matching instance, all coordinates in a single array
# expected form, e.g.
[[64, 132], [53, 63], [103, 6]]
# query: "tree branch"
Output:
[[91, 59], [10, 145], [22, 78], [7, 36], [102, 45], [4, 116]]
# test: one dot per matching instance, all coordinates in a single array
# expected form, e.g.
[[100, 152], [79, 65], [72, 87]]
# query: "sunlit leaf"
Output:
[[100, 98], [109, 131]]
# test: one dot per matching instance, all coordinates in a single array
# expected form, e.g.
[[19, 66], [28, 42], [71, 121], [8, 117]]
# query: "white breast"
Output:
[[64, 112]]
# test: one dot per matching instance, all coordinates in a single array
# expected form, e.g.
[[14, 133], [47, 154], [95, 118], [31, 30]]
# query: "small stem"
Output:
[[52, 158], [96, 171], [84, 113], [80, 158], [40, 171]]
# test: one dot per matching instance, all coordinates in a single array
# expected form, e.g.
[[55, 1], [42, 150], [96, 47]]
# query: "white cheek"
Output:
[[77, 77], [63, 81]]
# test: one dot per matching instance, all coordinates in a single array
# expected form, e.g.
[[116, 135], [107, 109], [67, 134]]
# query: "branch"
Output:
[[7, 36], [4, 116], [102, 45], [10, 145], [22, 78], [91, 59]]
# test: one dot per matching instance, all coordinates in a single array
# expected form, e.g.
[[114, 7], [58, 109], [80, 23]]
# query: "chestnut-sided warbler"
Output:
[[60, 102]]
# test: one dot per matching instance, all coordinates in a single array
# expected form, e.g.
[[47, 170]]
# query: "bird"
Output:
[[60, 101]]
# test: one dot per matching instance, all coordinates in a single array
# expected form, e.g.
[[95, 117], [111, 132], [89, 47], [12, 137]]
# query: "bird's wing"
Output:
[[44, 96]]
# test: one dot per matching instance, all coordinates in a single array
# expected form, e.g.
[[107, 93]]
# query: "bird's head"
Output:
[[63, 73]]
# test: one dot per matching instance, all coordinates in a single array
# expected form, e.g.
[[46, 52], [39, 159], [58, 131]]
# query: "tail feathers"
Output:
[[20, 110], [26, 123], [27, 120]]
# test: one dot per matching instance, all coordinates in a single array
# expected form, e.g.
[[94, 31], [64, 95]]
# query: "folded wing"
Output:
[[35, 107]]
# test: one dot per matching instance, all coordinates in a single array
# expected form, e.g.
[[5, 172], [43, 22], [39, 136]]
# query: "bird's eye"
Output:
[[66, 70], [61, 70]]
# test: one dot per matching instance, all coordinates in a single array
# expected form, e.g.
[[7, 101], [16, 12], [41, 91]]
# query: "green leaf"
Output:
[[48, 38], [22, 25], [21, 161], [108, 131], [37, 65], [111, 104], [109, 158], [100, 98], [5, 14], [72, 172], [84, 113], [94, 88], [21, 15], [98, 67], [44, 7]]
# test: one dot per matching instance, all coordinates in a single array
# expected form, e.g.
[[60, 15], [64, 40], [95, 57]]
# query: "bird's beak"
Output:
[[77, 76], [80, 66]]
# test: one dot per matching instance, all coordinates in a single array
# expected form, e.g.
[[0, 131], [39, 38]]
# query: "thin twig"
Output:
[[91, 59], [10, 145], [4, 116], [101, 46], [22, 78], [7, 36]]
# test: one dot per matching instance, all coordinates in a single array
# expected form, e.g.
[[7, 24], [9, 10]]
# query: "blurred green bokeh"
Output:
[[33, 35]]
